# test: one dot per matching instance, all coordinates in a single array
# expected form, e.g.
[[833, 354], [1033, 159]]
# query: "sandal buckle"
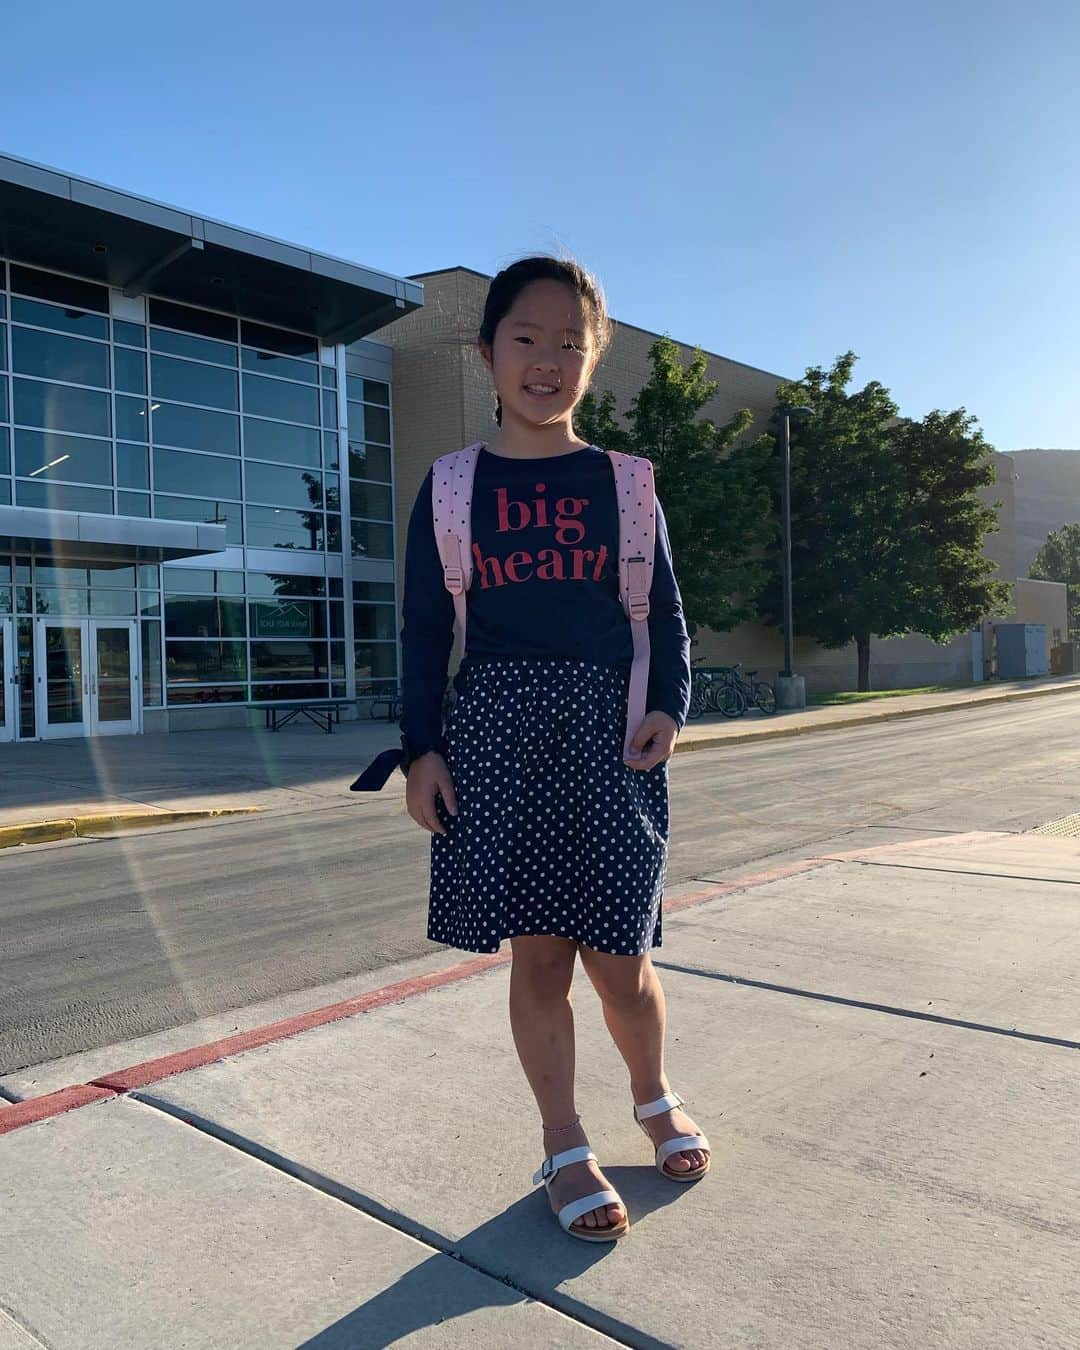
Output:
[[547, 1169]]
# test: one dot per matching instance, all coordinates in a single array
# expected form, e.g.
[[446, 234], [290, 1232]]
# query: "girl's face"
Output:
[[543, 341]]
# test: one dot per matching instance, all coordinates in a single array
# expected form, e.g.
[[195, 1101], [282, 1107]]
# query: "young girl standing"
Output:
[[542, 832]]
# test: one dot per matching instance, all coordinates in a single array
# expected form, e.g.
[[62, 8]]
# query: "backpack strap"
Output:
[[636, 492], [451, 508]]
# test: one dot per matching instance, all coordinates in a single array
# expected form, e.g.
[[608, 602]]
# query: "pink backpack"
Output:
[[451, 502]]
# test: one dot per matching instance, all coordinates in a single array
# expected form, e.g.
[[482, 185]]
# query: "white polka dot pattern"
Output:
[[554, 833]]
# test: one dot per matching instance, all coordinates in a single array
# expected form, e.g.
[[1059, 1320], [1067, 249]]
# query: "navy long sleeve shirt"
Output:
[[545, 546]]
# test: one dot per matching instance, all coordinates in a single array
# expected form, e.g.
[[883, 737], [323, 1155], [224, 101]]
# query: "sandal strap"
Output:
[[681, 1143], [548, 1168], [668, 1102], [576, 1208]]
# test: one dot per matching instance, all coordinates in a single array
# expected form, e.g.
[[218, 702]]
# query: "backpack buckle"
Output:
[[454, 576], [637, 603]]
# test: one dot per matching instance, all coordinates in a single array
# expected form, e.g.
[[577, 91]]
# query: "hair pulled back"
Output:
[[512, 280]]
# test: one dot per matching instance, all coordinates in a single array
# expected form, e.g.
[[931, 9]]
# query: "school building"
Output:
[[210, 441], [196, 465]]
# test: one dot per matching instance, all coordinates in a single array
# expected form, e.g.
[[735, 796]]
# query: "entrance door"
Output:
[[9, 679], [88, 682]]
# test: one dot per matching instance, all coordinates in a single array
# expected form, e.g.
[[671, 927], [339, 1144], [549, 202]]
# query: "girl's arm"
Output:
[[669, 642], [427, 633]]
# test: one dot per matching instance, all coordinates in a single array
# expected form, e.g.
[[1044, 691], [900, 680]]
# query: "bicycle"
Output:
[[758, 693]]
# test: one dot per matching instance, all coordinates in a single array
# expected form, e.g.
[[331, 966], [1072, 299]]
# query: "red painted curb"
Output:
[[51, 1104], [154, 1070]]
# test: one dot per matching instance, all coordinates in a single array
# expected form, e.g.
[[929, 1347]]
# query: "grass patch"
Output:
[[853, 696]]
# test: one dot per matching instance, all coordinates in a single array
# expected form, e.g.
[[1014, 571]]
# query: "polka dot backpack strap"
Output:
[[451, 510], [635, 489]]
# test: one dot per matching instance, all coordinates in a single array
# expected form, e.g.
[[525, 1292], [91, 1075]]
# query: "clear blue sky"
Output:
[[775, 181]]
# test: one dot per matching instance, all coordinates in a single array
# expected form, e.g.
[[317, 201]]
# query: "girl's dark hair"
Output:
[[511, 281]]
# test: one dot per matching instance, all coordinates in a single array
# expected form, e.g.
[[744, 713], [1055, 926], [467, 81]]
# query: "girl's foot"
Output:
[[666, 1125], [578, 1179]]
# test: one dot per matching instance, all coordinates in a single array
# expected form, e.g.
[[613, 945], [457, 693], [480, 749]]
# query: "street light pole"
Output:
[[792, 689]]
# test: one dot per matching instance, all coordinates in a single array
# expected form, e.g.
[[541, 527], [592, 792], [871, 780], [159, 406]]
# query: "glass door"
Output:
[[114, 677], [9, 679], [88, 677], [63, 678]]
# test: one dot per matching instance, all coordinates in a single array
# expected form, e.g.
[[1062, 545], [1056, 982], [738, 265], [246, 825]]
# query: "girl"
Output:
[[541, 831]]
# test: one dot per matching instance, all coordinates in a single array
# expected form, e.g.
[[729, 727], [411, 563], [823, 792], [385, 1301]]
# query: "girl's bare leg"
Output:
[[542, 1021], [636, 1014]]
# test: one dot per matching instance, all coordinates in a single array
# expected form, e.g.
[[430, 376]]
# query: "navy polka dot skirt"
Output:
[[554, 833]]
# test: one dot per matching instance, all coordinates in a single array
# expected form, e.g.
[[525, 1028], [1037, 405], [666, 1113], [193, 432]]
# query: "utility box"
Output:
[[1065, 659], [1021, 650]]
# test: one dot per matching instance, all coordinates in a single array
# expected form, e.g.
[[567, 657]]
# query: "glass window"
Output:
[[3, 400], [3, 349], [5, 458], [174, 471], [113, 603], [289, 660], [270, 693], [204, 616], [329, 377], [202, 322], [60, 408], [286, 487], [372, 541], [195, 693], [329, 408], [332, 488], [371, 500], [133, 503], [337, 618], [269, 363], [274, 527], [375, 661], [367, 391], [330, 449], [132, 467], [149, 604], [281, 442], [54, 600], [278, 398], [193, 382], [65, 320], [130, 370], [196, 428], [149, 578], [202, 662], [131, 418], [333, 533], [368, 423], [151, 664], [199, 349], [53, 357], [74, 459], [288, 618], [374, 591], [113, 578], [369, 461], [62, 574], [202, 581], [337, 660], [134, 334], [375, 622], [203, 512], [284, 584], [60, 497], [5, 491], [5, 600], [61, 290], [279, 340]]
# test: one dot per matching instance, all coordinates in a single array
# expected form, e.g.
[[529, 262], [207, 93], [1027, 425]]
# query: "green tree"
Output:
[[1059, 560], [887, 529], [715, 496]]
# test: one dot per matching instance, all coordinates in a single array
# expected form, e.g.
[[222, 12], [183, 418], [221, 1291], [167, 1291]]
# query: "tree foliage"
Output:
[[1059, 560]]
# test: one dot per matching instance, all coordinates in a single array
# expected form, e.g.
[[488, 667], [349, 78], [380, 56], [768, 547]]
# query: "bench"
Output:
[[323, 712]]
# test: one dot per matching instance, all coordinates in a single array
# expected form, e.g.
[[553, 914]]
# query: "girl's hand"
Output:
[[658, 732], [427, 775]]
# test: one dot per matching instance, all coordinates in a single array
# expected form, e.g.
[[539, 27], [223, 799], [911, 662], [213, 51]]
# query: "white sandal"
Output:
[[668, 1102], [574, 1209]]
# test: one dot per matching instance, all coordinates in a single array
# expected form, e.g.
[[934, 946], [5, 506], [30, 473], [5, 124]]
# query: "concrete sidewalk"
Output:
[[880, 1044], [134, 778]]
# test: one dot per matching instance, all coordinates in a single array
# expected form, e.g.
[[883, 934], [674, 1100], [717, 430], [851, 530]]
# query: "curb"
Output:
[[82, 827], [706, 742]]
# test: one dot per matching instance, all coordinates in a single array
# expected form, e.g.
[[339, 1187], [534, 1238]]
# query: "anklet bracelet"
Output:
[[555, 1129]]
